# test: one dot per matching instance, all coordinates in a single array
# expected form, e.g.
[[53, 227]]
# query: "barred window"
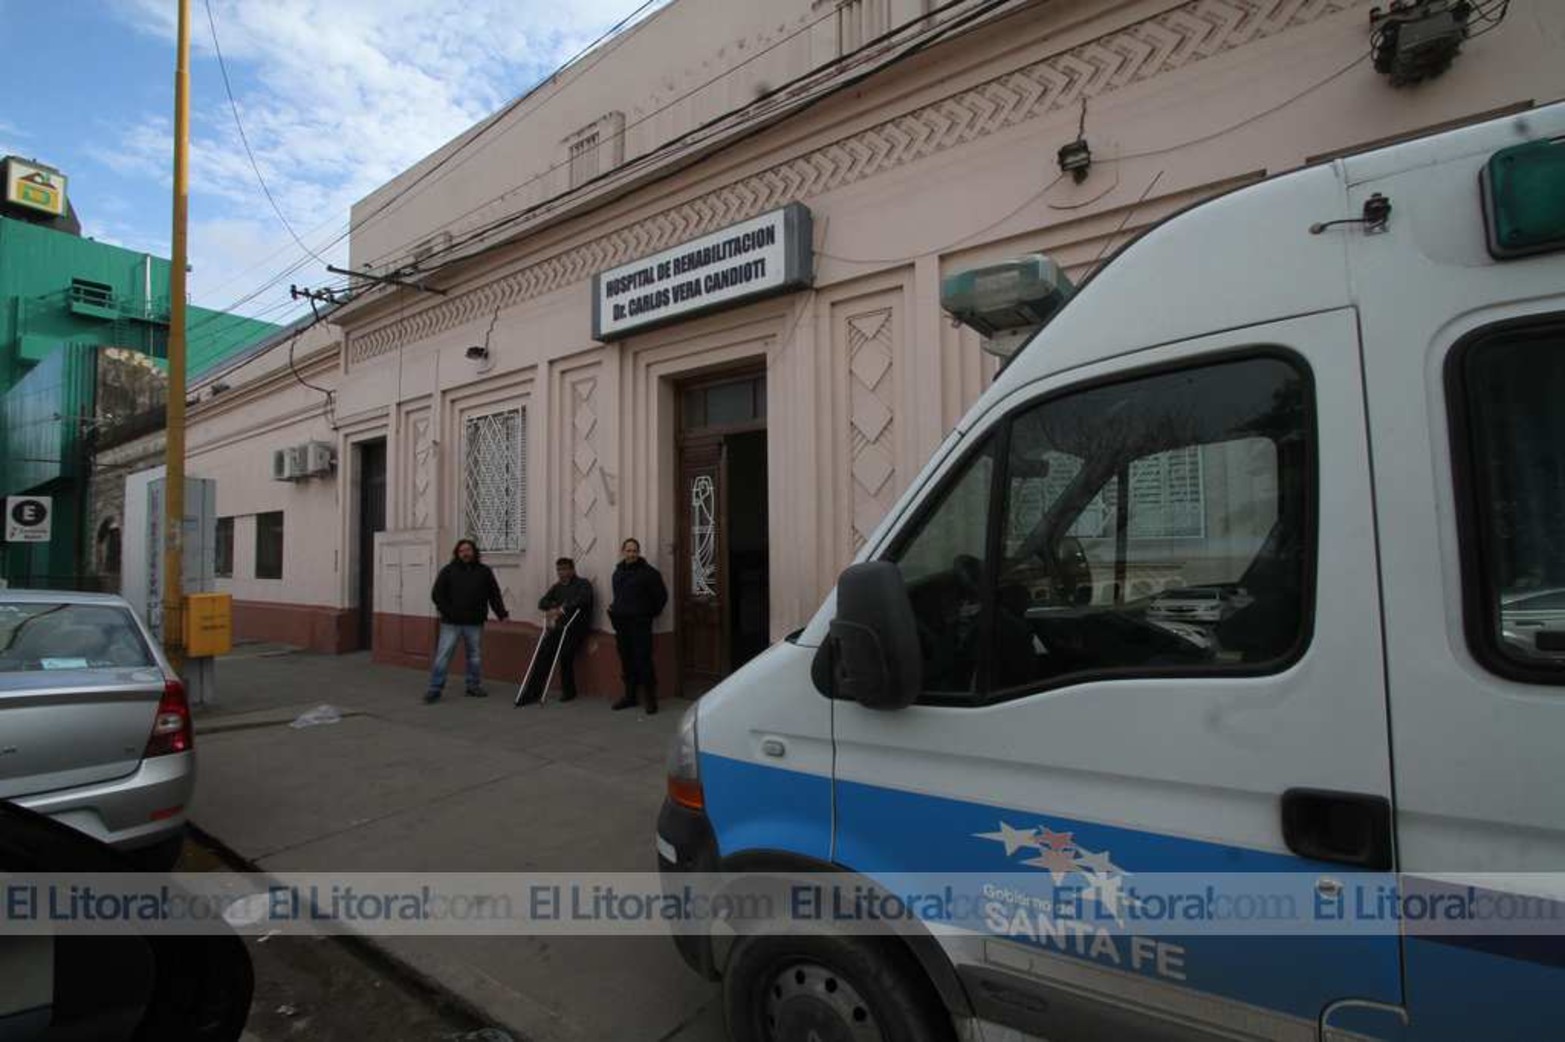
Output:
[[494, 455]]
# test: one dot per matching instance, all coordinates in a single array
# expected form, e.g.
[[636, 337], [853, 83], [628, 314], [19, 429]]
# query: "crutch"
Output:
[[559, 650], [544, 695], [529, 674]]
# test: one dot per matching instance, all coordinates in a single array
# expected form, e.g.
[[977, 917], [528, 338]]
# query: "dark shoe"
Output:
[[652, 708], [651, 701], [568, 696], [431, 697], [477, 692], [527, 700], [628, 702]]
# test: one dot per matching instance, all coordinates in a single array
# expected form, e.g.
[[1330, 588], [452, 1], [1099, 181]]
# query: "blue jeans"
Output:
[[473, 638]]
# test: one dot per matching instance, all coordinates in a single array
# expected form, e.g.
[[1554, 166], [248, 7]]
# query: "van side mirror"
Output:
[[871, 654]]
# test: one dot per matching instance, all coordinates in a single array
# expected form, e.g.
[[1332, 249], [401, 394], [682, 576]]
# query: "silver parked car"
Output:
[[1197, 603], [1532, 623], [95, 728]]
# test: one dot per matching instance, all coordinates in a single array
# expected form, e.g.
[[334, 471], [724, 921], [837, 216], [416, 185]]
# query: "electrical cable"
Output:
[[498, 117], [244, 138], [1355, 63], [919, 45], [1034, 197], [629, 168], [857, 55], [403, 192], [832, 13]]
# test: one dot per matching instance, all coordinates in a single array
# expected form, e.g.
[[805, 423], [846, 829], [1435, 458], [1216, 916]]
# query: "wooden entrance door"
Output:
[[702, 580], [716, 415]]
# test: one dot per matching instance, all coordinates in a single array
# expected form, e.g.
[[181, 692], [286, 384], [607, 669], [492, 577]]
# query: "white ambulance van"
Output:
[[1330, 409]]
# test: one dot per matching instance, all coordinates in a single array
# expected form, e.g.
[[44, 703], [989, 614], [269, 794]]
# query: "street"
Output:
[[465, 785], [328, 988]]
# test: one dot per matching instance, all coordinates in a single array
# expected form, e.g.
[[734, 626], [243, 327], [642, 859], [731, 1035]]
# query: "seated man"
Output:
[[567, 608]]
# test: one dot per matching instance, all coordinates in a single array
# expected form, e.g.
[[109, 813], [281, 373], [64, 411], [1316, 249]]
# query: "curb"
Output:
[[372, 955]]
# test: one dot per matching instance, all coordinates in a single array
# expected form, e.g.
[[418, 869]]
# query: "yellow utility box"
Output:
[[209, 624]]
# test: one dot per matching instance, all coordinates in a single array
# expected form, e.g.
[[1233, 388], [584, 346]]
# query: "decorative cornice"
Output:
[[1183, 36]]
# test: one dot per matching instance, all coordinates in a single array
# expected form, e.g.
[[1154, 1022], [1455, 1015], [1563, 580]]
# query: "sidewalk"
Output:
[[463, 785]]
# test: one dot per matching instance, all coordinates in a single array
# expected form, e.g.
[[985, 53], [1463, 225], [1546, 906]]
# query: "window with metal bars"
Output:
[[494, 480]]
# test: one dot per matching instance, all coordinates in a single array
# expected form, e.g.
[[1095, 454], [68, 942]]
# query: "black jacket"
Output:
[[572, 596], [638, 591], [464, 593]]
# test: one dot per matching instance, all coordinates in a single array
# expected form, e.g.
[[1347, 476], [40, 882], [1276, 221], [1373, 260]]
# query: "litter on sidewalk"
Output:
[[322, 714]]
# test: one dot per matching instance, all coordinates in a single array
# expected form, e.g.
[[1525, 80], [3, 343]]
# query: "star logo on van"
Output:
[[1058, 854], [1014, 839]]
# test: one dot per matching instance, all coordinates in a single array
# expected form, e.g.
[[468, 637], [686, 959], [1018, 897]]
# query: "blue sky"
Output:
[[336, 97]]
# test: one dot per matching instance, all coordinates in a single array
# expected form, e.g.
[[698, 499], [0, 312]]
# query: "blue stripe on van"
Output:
[[883, 831], [1457, 993], [752, 807], [1458, 988]]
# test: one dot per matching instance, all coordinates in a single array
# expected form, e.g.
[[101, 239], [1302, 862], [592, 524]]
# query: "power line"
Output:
[[498, 117], [772, 97], [1034, 197], [403, 192], [931, 37], [512, 190], [244, 138]]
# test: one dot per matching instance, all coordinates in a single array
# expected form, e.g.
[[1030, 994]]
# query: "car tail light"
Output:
[[684, 765], [171, 730]]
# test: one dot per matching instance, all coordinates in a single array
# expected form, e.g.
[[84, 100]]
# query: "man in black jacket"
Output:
[[639, 596], [567, 604], [464, 592]]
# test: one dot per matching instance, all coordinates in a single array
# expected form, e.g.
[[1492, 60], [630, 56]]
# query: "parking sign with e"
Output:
[[27, 519]]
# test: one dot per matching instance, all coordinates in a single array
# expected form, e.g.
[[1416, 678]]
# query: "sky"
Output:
[[336, 97]]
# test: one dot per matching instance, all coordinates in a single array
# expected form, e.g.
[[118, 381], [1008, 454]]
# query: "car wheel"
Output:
[[829, 989]]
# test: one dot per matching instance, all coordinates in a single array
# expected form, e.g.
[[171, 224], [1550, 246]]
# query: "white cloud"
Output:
[[11, 138], [337, 97]]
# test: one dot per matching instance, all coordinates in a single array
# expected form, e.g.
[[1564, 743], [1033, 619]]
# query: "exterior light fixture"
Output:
[[479, 355], [1076, 159]]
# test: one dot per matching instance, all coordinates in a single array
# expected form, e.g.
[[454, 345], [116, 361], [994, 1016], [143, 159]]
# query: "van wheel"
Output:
[[831, 989]]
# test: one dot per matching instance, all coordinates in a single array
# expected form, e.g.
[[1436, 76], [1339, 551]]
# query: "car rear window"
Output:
[[45, 636]]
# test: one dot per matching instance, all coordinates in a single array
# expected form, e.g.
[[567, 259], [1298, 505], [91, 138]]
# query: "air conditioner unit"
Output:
[[289, 464], [319, 457]]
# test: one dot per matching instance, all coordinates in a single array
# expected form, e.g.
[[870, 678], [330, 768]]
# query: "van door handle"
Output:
[[774, 747], [1346, 828]]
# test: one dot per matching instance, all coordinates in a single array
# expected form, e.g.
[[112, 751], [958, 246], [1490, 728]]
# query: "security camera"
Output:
[[478, 354]]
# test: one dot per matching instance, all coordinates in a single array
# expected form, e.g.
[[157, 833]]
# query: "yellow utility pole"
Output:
[[174, 483]]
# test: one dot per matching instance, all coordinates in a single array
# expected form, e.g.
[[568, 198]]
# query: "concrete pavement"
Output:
[[463, 785]]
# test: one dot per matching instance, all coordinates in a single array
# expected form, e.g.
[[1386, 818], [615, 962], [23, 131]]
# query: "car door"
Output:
[[1068, 737]]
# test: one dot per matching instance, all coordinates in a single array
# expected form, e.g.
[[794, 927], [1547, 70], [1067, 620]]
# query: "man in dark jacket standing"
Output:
[[568, 603], [464, 592], [639, 596]]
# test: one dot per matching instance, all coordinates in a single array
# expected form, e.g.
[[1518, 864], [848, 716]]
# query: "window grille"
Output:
[[494, 455]]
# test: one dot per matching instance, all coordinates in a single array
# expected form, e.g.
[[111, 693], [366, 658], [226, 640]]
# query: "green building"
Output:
[[83, 348]]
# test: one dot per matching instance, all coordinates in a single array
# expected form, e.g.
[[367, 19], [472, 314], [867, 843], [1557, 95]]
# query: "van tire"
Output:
[[776, 988]]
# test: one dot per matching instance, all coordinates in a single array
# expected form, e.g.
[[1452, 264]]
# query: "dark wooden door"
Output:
[[701, 579], [372, 519]]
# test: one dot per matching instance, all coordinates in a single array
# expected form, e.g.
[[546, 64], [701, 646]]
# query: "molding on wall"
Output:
[[1175, 39]]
